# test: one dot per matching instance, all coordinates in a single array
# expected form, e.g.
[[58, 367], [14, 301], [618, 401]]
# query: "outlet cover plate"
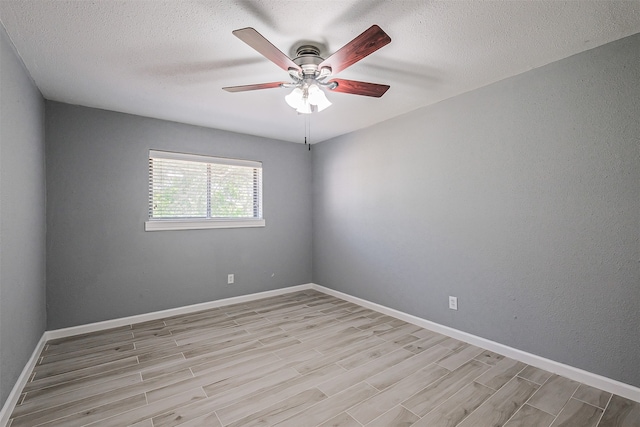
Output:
[[453, 303], [230, 279]]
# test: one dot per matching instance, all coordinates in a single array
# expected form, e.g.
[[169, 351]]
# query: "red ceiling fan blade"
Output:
[[245, 88], [257, 41], [359, 88], [363, 45]]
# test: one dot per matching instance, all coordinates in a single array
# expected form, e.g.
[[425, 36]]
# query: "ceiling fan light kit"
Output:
[[309, 71], [307, 98]]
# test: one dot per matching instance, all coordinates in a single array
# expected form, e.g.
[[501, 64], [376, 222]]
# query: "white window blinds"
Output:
[[189, 187]]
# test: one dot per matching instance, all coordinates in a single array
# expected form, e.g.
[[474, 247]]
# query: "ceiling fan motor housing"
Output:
[[308, 58]]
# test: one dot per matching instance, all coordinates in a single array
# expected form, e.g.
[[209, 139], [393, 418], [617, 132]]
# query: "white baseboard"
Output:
[[155, 315], [13, 397], [576, 374]]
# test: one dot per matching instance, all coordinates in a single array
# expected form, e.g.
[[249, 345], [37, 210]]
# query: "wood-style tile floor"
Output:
[[303, 359]]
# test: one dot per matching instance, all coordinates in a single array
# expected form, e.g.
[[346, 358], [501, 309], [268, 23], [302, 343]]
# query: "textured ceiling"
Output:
[[170, 59]]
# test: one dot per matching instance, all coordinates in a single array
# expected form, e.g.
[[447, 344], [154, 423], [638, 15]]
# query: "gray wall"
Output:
[[22, 217], [101, 264], [521, 198]]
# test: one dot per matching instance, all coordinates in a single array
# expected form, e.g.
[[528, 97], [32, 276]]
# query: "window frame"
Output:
[[197, 223]]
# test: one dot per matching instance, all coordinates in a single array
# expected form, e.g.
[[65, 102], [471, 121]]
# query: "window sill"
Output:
[[167, 225]]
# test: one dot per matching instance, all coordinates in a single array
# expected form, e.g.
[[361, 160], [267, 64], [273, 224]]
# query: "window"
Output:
[[188, 191]]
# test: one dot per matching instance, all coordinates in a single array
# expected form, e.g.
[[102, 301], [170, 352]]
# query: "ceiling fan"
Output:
[[310, 73]]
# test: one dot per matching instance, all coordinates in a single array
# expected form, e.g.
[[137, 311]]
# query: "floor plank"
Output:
[[528, 416], [382, 402], [430, 397], [536, 375], [330, 407], [341, 420], [553, 394], [454, 410], [592, 396], [578, 414], [621, 412], [398, 416], [501, 373], [502, 405]]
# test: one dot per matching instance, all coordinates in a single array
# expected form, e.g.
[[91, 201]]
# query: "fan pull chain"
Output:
[[307, 131]]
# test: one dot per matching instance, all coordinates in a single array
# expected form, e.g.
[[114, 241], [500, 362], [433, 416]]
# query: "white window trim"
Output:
[[197, 223]]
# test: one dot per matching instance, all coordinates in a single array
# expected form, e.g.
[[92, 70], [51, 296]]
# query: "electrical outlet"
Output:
[[453, 303], [230, 279]]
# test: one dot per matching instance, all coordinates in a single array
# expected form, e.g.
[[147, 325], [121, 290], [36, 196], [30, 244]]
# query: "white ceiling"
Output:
[[170, 59]]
